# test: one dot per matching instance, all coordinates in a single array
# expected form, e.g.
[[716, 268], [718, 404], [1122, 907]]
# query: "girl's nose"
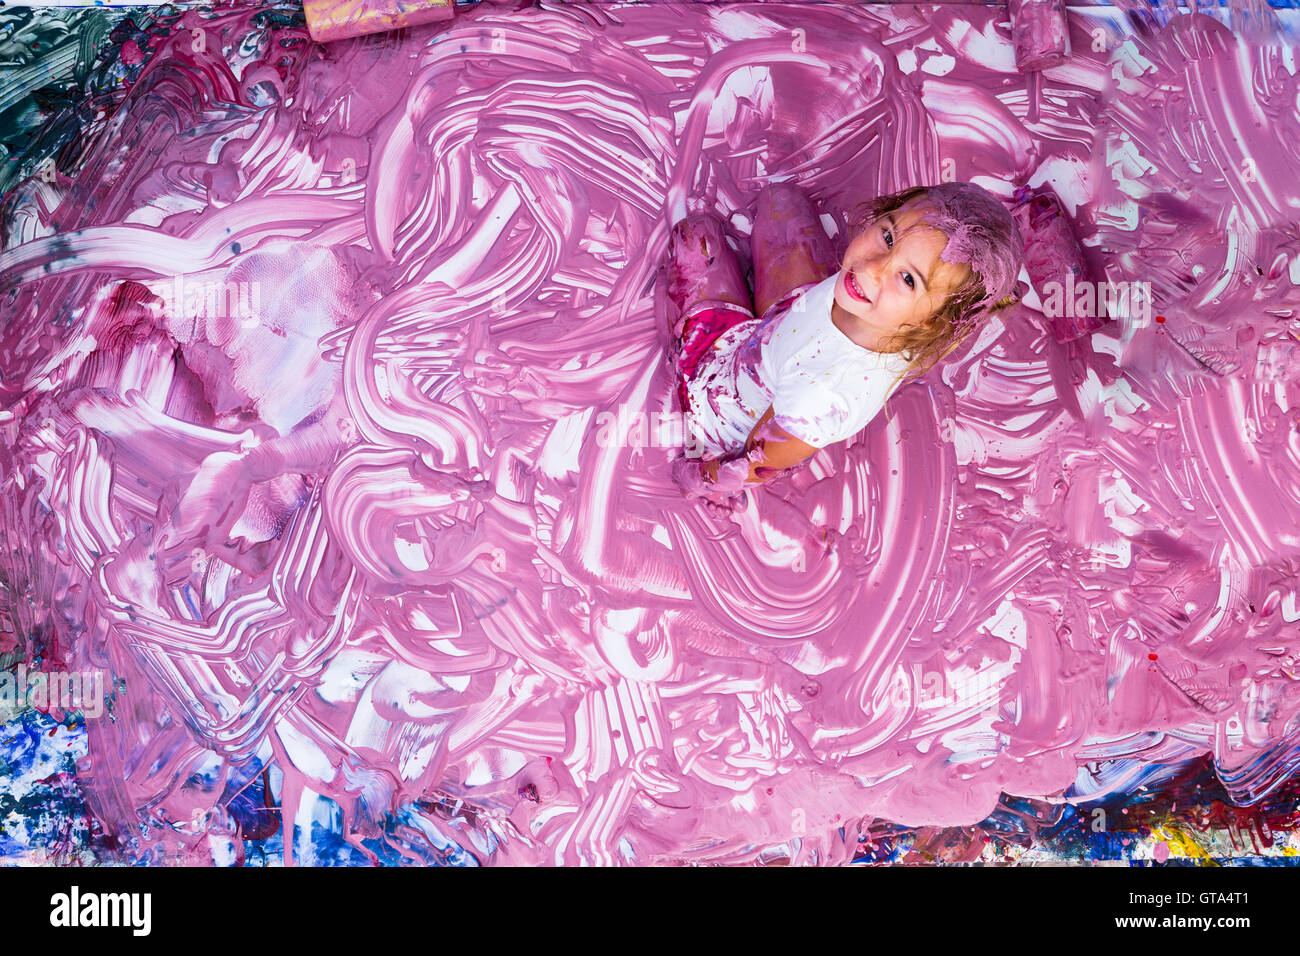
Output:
[[873, 268]]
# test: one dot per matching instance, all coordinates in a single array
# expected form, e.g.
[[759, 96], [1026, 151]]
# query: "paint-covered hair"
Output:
[[982, 234]]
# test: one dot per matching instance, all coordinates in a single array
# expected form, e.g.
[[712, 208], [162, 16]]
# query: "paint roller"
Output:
[[329, 20], [1041, 37], [1053, 255], [1039, 32]]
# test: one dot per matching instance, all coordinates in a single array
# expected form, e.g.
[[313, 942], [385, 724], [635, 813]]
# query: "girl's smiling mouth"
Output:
[[854, 290]]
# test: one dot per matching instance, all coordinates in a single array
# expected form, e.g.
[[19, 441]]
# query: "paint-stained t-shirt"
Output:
[[822, 386]]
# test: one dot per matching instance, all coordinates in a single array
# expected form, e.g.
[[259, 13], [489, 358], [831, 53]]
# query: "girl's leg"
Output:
[[703, 271], [707, 293], [789, 245]]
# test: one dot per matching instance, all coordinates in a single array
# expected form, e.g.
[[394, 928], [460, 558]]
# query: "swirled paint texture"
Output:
[[334, 384]]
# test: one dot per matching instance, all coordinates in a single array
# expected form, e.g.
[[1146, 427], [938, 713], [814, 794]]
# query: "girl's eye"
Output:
[[889, 237], [907, 277]]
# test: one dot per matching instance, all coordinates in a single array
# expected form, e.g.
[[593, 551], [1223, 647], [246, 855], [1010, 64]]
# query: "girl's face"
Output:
[[892, 276]]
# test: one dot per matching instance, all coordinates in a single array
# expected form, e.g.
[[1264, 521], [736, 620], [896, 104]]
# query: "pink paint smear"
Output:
[[304, 378]]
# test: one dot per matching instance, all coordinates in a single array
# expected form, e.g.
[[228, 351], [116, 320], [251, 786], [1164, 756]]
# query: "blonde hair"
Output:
[[930, 341]]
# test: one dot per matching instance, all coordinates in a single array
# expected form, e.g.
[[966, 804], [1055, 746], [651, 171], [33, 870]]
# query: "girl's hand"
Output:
[[711, 479], [770, 451]]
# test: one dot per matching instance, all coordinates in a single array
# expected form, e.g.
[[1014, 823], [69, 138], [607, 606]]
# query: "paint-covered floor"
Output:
[[338, 423]]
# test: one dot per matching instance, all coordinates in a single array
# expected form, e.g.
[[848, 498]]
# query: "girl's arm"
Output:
[[769, 450]]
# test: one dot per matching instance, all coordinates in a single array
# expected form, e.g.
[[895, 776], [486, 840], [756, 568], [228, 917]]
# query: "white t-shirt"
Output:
[[823, 387]]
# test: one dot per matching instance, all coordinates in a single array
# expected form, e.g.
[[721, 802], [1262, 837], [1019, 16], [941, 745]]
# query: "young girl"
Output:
[[813, 359]]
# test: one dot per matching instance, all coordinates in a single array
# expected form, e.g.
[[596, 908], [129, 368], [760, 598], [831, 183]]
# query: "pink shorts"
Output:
[[702, 329]]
